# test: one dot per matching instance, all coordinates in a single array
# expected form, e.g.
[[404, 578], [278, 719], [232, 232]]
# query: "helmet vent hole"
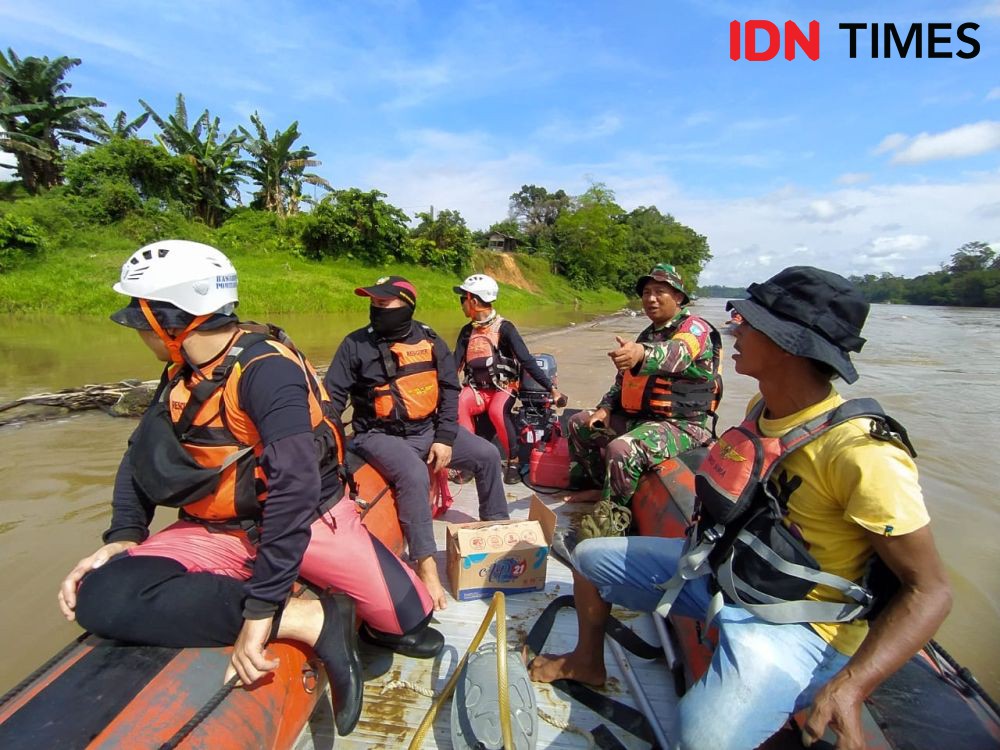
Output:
[[162, 252], [147, 254]]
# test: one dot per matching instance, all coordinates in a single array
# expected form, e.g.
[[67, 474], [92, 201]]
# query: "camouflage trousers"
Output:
[[616, 455]]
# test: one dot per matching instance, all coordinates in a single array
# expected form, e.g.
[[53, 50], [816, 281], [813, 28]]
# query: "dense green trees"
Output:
[[36, 116], [355, 224], [126, 175], [535, 211], [971, 279], [442, 241]]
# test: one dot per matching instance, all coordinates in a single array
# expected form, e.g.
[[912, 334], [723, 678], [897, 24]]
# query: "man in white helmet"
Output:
[[491, 353], [237, 439]]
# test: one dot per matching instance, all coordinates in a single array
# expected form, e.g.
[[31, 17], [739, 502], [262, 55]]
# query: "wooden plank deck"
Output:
[[394, 705]]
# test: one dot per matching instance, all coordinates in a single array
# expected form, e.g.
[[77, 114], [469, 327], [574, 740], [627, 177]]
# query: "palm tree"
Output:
[[277, 168], [215, 167], [36, 115]]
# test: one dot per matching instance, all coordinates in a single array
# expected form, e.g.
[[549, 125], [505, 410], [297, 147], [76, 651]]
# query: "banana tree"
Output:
[[214, 165], [36, 116], [120, 126], [277, 168]]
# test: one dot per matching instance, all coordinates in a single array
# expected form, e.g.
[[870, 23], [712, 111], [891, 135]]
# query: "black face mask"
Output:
[[391, 323]]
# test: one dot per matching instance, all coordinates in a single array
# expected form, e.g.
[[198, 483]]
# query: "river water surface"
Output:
[[937, 370]]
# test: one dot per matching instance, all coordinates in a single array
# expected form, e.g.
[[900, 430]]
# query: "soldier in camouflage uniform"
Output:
[[662, 401]]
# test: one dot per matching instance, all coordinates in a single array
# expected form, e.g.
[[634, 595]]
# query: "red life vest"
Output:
[[484, 366], [196, 449], [672, 396]]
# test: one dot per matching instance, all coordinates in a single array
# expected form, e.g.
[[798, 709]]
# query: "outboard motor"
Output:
[[537, 415], [544, 448]]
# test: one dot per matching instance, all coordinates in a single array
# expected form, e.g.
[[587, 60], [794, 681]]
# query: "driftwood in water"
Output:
[[126, 398]]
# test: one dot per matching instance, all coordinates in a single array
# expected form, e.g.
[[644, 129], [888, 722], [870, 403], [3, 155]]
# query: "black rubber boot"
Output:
[[337, 648], [512, 472], [426, 643]]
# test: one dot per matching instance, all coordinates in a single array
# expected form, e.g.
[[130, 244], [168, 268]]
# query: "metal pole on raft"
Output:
[[638, 693]]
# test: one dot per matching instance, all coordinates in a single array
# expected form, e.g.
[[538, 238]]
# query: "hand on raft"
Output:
[[249, 660]]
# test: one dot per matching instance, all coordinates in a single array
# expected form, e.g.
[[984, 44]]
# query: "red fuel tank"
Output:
[[550, 462]]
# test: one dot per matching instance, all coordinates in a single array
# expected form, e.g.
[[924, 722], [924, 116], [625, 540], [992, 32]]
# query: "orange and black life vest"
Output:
[[410, 391], [197, 450], [484, 366], [672, 396]]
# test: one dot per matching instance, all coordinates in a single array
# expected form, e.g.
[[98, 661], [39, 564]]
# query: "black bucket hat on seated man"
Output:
[[810, 313]]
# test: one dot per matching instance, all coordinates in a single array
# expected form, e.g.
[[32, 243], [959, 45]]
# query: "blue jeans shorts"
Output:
[[760, 674]]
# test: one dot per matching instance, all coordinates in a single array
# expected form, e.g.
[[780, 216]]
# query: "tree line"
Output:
[[970, 279], [66, 152]]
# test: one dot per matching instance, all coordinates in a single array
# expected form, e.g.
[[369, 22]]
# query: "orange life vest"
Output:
[[216, 475], [483, 364], [671, 396], [410, 393]]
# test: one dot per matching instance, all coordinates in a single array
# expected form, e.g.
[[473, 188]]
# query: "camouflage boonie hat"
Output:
[[667, 274]]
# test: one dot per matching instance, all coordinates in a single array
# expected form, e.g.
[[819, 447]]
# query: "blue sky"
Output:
[[860, 166]]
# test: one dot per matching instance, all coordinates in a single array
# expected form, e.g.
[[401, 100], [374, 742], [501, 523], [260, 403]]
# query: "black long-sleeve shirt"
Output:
[[274, 394], [511, 345], [357, 369]]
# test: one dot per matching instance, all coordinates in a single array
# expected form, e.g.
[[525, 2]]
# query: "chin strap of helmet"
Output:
[[173, 343], [478, 307]]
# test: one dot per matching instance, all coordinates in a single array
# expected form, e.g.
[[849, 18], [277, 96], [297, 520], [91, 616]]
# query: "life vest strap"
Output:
[[785, 612], [693, 563]]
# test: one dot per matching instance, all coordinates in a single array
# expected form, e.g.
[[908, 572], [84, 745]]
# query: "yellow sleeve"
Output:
[[878, 481]]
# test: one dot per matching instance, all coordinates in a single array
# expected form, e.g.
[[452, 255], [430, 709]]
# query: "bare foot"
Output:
[[571, 666], [428, 573]]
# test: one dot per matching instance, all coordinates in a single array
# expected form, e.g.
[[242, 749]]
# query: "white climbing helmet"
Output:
[[483, 286], [192, 276]]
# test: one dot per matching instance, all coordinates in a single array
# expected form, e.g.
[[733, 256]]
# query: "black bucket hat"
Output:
[[810, 313], [167, 315]]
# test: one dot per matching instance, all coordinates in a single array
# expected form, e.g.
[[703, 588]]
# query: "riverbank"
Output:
[[77, 281], [57, 476]]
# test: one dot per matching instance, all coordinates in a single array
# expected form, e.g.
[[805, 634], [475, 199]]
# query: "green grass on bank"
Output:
[[81, 261]]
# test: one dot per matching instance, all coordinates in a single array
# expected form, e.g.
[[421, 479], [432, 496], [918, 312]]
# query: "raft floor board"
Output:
[[393, 709]]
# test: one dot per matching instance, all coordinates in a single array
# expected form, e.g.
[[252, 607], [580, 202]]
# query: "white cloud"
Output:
[[826, 211], [993, 94], [919, 227], [891, 143], [853, 178], [963, 141]]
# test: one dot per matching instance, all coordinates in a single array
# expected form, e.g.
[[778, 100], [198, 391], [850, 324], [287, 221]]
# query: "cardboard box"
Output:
[[509, 556]]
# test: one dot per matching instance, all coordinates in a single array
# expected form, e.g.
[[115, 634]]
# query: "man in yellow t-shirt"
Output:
[[849, 496]]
